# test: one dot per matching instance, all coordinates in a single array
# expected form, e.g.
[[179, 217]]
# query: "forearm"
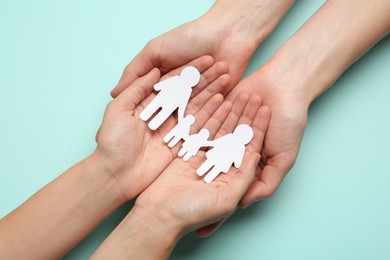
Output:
[[252, 20], [59, 215], [328, 43], [141, 235]]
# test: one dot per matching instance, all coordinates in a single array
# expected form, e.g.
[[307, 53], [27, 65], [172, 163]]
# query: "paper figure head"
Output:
[[244, 133], [204, 133], [190, 119], [190, 75]]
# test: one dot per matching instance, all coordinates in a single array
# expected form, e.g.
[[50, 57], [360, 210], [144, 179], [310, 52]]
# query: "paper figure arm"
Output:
[[163, 84], [181, 110], [208, 144], [239, 158], [220, 141]]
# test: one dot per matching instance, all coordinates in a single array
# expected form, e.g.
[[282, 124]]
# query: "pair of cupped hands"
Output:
[[169, 188]]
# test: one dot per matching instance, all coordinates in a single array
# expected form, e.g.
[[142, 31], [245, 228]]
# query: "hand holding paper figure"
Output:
[[175, 93], [181, 198]]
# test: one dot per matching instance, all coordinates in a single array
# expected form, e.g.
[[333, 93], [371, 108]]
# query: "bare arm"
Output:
[[230, 32], [303, 68], [62, 213], [326, 45]]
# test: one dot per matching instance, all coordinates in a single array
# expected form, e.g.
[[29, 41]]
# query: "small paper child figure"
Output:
[[228, 149], [193, 143], [180, 131], [174, 93]]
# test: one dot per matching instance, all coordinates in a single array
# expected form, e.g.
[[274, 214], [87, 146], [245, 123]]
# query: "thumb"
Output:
[[137, 91], [144, 62], [265, 187]]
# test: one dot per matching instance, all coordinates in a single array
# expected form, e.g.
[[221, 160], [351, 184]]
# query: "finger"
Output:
[[265, 187], [204, 114], [214, 88], [259, 126], [202, 63], [210, 75], [217, 119], [144, 62], [137, 91], [240, 180], [231, 121], [97, 134], [250, 111], [141, 106]]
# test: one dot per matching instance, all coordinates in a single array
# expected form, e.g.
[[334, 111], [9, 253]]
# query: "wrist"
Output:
[[156, 235], [277, 88], [294, 71], [250, 20], [104, 177], [141, 235]]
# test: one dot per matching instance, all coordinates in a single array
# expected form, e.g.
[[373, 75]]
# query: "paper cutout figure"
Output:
[[180, 131], [193, 143], [228, 149], [174, 94]]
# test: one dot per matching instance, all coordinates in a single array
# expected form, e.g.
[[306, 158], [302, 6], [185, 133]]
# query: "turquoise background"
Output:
[[60, 59]]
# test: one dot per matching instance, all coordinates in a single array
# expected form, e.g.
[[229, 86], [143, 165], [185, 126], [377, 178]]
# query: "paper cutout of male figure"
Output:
[[174, 93], [193, 143], [228, 149], [180, 131]]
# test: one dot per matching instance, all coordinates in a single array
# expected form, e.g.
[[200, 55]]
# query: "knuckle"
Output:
[[151, 47], [128, 69], [268, 193], [150, 44], [111, 106], [221, 67]]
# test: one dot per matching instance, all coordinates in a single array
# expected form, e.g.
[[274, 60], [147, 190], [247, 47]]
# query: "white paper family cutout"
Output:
[[174, 93]]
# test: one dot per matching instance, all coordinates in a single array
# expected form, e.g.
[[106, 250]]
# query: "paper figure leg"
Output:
[[150, 109], [182, 152], [169, 136], [159, 119], [174, 141], [187, 156], [212, 175], [191, 153], [204, 167]]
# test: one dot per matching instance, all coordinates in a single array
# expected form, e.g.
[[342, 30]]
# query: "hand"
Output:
[[284, 134], [132, 153], [222, 33], [180, 199], [282, 139]]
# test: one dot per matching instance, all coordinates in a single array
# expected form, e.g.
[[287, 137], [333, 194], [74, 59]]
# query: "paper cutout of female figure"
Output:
[[228, 149], [174, 94]]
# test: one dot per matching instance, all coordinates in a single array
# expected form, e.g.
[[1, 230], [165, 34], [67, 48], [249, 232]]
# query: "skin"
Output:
[[232, 38], [305, 66], [179, 201], [63, 212], [302, 69]]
